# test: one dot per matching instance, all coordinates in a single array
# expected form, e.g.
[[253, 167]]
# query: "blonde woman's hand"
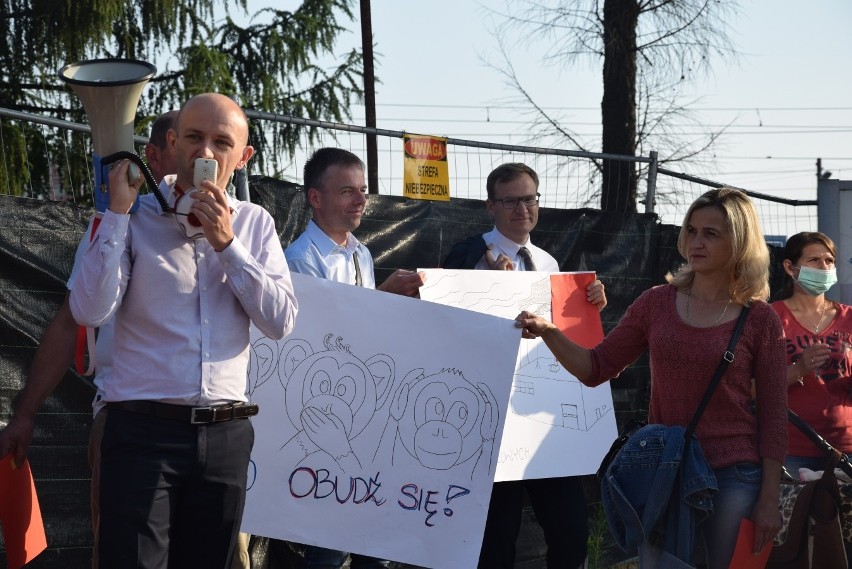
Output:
[[767, 522], [533, 326]]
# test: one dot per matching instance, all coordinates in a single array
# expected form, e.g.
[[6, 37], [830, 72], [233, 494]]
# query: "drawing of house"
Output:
[[544, 391]]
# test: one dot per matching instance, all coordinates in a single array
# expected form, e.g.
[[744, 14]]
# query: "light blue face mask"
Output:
[[816, 281]]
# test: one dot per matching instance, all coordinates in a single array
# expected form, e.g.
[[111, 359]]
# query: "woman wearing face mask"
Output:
[[819, 359]]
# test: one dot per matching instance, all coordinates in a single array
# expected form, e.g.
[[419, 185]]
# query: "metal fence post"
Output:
[[650, 195]]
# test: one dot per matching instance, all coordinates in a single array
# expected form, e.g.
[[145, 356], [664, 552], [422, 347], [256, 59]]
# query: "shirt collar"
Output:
[[326, 245], [506, 244]]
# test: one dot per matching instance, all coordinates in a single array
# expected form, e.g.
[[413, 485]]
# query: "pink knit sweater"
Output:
[[684, 358]]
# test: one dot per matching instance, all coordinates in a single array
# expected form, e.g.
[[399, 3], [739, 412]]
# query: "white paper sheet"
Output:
[[555, 425]]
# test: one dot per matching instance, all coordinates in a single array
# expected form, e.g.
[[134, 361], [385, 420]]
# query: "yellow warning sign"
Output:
[[427, 176]]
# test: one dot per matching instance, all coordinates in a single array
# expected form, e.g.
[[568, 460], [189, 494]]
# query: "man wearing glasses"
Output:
[[559, 503]]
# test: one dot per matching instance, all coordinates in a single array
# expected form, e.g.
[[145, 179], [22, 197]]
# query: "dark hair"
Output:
[[160, 127], [506, 173], [321, 160], [793, 250]]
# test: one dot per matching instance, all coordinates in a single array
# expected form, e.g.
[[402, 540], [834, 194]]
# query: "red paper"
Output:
[[578, 319], [744, 557], [20, 515]]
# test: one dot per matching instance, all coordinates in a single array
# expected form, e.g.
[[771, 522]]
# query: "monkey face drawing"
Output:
[[335, 383], [336, 388], [438, 425]]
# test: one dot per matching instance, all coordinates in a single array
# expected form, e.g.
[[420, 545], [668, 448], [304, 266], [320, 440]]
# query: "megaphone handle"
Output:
[[149, 177]]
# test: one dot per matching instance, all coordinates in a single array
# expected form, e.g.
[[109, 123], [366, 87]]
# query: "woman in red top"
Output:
[[819, 358], [686, 326]]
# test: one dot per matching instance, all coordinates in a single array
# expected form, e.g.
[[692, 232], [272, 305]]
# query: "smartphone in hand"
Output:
[[205, 169]]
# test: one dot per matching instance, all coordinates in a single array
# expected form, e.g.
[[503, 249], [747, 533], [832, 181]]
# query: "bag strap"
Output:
[[727, 358]]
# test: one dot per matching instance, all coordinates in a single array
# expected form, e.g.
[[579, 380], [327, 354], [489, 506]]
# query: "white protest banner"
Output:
[[379, 417]]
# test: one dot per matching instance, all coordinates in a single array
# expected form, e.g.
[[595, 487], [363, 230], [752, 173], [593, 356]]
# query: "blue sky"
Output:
[[789, 98]]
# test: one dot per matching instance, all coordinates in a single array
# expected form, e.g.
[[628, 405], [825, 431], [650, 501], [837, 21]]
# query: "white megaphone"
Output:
[[109, 90]]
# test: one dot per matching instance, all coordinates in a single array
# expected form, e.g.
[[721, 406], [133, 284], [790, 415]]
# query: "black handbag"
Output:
[[631, 427], [811, 534]]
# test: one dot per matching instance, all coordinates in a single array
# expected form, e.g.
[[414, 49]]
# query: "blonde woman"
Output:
[[686, 326]]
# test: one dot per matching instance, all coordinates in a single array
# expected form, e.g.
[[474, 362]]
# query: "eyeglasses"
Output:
[[512, 203]]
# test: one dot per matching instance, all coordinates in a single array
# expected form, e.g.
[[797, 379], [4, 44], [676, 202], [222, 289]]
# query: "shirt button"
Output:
[[206, 321], [201, 255], [206, 354], [204, 288]]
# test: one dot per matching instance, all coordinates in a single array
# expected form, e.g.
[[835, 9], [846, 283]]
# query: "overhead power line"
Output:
[[485, 106], [814, 127]]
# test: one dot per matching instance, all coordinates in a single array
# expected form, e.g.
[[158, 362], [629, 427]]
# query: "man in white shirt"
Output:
[[336, 192], [176, 444], [559, 503]]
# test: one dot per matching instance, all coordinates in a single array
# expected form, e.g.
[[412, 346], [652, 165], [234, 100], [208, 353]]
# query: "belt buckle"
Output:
[[194, 420]]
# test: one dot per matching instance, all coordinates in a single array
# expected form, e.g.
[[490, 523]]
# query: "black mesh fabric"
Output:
[[630, 253]]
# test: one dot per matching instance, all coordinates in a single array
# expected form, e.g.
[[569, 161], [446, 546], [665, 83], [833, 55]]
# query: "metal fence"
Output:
[[568, 179]]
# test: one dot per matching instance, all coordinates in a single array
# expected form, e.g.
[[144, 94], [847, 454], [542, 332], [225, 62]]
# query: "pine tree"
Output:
[[270, 64]]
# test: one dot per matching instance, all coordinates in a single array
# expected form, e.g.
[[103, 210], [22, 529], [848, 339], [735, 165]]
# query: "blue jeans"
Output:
[[739, 487], [322, 558]]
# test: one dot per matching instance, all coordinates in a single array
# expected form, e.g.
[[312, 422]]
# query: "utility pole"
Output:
[[369, 97], [822, 174]]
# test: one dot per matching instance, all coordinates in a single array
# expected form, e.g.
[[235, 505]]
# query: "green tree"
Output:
[[649, 50], [270, 64]]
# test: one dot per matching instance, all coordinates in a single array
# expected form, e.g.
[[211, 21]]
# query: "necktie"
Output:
[[524, 254], [358, 281]]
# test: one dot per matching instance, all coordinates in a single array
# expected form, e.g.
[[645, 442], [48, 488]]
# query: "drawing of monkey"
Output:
[[442, 421], [331, 396]]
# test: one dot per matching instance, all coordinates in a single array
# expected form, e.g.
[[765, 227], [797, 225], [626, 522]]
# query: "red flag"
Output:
[[23, 530]]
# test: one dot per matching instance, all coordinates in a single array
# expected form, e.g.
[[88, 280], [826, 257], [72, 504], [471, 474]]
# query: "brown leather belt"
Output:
[[186, 413]]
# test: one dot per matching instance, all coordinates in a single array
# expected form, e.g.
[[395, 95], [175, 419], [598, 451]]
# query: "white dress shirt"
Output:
[[104, 343], [502, 244], [181, 309], [315, 253]]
